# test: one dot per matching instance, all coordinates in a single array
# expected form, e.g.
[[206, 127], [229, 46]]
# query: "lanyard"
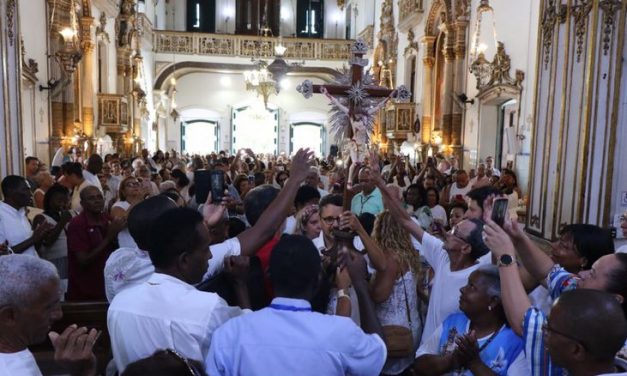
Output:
[[283, 307], [363, 202]]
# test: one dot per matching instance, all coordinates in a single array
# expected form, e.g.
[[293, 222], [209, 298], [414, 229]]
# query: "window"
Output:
[[201, 16], [310, 18]]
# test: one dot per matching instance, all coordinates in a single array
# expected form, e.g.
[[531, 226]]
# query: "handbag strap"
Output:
[[406, 298]]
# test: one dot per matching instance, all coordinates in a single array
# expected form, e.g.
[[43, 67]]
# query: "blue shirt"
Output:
[[287, 338], [499, 351], [558, 281], [371, 203]]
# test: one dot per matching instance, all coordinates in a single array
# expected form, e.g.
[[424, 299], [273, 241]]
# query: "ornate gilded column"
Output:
[[427, 86], [447, 89], [87, 79], [456, 139]]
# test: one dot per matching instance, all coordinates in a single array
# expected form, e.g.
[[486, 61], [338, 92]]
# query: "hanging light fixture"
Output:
[[260, 81], [479, 65], [70, 53]]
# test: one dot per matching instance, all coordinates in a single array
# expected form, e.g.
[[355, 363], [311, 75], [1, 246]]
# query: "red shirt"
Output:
[[264, 258], [86, 282]]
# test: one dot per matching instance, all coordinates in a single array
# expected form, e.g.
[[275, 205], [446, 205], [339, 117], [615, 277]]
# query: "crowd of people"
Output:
[[295, 270]]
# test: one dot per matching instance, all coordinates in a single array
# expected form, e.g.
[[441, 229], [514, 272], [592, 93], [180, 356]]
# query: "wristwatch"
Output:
[[343, 293], [505, 260]]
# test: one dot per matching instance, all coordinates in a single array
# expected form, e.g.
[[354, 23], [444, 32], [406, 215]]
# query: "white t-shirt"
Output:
[[439, 213], [444, 298], [125, 240], [21, 363], [290, 225], [456, 191], [15, 227]]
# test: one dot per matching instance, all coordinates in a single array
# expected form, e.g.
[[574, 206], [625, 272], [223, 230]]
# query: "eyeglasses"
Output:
[[193, 371], [330, 220], [546, 328], [132, 184]]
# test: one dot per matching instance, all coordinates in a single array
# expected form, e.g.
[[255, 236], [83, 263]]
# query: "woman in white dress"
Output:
[[130, 194], [393, 289]]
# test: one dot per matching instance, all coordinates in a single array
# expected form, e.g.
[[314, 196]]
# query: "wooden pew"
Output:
[[88, 314]]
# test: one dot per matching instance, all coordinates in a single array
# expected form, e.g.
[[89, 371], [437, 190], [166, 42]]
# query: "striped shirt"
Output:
[[558, 281]]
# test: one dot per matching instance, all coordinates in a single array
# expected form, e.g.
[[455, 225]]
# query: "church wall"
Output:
[[516, 27], [577, 174], [35, 46], [205, 91], [619, 187]]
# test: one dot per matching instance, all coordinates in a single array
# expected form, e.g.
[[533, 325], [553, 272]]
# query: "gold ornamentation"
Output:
[[367, 35], [174, 42], [10, 17], [408, 9], [609, 7], [553, 13], [341, 4], [496, 73], [581, 11], [101, 33], [549, 19]]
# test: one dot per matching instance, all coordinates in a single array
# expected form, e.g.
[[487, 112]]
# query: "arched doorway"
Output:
[[199, 136], [255, 127], [308, 135]]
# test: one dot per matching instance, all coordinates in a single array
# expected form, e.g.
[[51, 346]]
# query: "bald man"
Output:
[[91, 237], [585, 330]]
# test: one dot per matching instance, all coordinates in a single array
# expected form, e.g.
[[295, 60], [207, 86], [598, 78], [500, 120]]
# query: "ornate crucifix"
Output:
[[354, 119]]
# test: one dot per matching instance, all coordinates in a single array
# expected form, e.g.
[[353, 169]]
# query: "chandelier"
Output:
[[479, 65], [70, 54], [260, 81]]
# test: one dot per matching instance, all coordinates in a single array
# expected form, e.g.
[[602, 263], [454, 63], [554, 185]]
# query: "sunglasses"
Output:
[[132, 184]]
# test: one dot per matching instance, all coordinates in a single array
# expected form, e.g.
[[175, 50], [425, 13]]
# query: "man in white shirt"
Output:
[[15, 229], [481, 180], [287, 338], [167, 311], [127, 266], [30, 297], [462, 252]]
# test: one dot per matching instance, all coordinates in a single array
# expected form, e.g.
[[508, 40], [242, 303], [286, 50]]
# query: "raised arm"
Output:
[[380, 105], [334, 100], [513, 294], [272, 218]]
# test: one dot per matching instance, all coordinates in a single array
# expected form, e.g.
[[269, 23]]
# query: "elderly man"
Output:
[[91, 237], [313, 180], [15, 229], [369, 199], [29, 304]]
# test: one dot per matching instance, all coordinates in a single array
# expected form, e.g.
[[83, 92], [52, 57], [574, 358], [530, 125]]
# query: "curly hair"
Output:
[[395, 240]]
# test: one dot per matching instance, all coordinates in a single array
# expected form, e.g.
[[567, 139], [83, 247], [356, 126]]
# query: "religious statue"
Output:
[[124, 23], [355, 99], [357, 145]]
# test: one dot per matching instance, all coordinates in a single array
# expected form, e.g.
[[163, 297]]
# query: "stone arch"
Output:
[[438, 8]]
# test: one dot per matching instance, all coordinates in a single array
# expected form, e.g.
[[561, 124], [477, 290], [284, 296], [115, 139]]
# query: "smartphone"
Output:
[[202, 182], [217, 185], [499, 211]]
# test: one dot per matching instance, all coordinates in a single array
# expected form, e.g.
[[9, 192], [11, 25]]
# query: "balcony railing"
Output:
[[186, 43]]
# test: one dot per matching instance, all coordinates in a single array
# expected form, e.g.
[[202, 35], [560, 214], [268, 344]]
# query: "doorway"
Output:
[[199, 137], [308, 135]]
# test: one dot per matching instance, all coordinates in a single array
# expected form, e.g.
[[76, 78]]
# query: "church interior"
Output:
[[535, 87]]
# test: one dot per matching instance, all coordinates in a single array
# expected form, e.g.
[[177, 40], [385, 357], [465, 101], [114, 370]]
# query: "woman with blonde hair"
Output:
[[394, 289], [130, 194], [308, 222]]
